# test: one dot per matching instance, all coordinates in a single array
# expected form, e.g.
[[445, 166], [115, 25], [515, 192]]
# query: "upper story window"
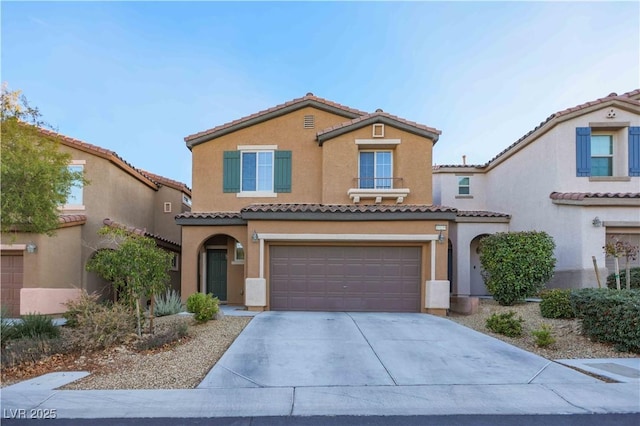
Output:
[[256, 173], [186, 200], [75, 198], [464, 185], [611, 151], [376, 170], [601, 155]]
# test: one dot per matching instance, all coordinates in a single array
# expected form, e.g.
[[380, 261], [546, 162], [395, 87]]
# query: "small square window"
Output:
[[238, 253], [378, 130], [464, 185], [175, 262], [167, 207]]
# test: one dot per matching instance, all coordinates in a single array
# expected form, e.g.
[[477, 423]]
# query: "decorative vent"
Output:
[[309, 121], [611, 113], [378, 130], [167, 207]]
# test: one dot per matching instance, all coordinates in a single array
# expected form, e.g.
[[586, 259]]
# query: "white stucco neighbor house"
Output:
[[576, 176]]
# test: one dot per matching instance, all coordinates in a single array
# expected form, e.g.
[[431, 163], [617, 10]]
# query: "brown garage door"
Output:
[[12, 270], [345, 278]]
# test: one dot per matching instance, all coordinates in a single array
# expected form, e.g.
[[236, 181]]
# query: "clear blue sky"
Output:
[[137, 78]]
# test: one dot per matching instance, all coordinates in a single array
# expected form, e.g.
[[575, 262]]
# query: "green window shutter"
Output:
[[583, 151], [231, 171], [282, 175], [634, 151]]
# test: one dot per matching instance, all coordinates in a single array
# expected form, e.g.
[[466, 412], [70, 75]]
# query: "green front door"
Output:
[[217, 273]]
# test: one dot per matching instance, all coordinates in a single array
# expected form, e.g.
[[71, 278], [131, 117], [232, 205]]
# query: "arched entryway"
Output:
[[477, 287]]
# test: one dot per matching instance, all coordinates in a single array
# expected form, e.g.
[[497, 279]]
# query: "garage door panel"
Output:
[[345, 278]]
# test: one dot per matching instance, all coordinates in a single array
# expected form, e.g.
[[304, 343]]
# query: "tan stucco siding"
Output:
[[287, 133], [411, 161]]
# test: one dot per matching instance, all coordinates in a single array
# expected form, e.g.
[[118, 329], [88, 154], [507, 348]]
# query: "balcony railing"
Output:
[[377, 183]]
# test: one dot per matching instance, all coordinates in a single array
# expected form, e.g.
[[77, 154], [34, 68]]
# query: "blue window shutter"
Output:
[[282, 174], [583, 151], [634, 151], [231, 171]]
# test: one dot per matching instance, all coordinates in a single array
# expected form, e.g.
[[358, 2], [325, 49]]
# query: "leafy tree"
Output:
[[616, 249], [137, 267], [35, 179], [516, 265]]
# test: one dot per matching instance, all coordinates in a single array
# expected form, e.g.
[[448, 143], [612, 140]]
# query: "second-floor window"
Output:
[[464, 185], [256, 172], [601, 155], [376, 170], [75, 198]]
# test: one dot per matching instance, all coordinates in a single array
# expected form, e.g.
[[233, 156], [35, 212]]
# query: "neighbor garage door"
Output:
[[345, 278], [12, 270]]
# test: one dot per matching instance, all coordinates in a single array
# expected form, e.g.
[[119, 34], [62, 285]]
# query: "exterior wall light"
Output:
[[31, 247], [254, 237], [440, 237], [596, 222], [441, 228]]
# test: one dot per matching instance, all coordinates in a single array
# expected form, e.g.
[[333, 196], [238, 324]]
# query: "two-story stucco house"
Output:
[[576, 176], [40, 273], [312, 205]]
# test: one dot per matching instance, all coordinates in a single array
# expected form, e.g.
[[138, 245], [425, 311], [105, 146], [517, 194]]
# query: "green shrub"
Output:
[[610, 316], [29, 349], [99, 326], [556, 303], [203, 306], [35, 326], [7, 330], [175, 332], [506, 324], [83, 307], [516, 265], [168, 304], [543, 336], [634, 273]]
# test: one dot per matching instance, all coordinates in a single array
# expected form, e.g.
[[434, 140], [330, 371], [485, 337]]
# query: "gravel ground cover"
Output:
[[183, 365], [570, 343]]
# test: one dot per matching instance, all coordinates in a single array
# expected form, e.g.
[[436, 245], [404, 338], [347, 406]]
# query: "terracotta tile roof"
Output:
[[378, 116], [65, 219], [579, 196], [101, 152], [459, 166], [161, 180], [627, 97], [209, 215], [138, 231], [344, 208], [308, 99], [480, 213]]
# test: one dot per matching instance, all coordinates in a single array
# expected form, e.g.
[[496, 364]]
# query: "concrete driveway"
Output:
[[319, 349]]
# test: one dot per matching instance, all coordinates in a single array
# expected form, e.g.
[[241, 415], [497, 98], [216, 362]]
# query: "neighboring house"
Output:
[[312, 205], [39, 273], [576, 176]]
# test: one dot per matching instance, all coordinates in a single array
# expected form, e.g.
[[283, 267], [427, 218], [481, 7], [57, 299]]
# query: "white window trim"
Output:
[[613, 154], [378, 141], [464, 186], [380, 130], [374, 169], [167, 207], [266, 194], [257, 147], [237, 261]]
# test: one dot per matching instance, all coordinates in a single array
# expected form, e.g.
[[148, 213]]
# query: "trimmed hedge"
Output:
[[556, 303], [609, 316], [635, 279]]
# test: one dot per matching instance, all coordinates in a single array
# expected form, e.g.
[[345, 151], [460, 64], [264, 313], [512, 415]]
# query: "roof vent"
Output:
[[309, 121], [612, 94], [309, 94], [379, 110]]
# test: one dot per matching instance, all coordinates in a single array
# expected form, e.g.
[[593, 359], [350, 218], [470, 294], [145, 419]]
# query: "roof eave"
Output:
[[196, 140], [322, 137]]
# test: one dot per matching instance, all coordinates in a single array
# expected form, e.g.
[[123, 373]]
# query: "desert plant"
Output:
[[29, 349], [203, 306], [99, 325], [175, 332], [556, 303], [516, 265], [35, 326], [168, 304], [505, 323], [7, 330], [82, 307], [634, 280], [543, 336]]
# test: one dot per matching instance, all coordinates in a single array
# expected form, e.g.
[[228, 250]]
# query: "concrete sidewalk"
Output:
[[305, 364]]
